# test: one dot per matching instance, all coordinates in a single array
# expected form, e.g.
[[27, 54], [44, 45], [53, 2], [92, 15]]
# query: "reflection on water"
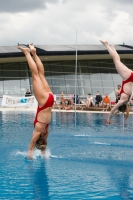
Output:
[[87, 158], [38, 173]]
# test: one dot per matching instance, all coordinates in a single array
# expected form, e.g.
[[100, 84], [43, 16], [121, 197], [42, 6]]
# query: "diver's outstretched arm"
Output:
[[114, 111], [34, 138]]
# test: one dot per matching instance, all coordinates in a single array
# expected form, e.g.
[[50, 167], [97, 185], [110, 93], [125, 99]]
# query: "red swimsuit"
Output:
[[130, 79], [49, 103]]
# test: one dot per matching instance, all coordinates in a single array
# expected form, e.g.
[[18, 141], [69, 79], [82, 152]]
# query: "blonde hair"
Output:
[[41, 144]]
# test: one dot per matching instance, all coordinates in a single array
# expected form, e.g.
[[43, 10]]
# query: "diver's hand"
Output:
[[109, 121], [29, 155]]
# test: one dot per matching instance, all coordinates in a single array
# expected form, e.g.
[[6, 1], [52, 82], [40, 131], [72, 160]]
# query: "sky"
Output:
[[57, 22]]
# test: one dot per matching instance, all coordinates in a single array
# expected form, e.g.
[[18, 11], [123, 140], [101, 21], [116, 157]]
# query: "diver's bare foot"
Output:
[[32, 48], [24, 50], [104, 43]]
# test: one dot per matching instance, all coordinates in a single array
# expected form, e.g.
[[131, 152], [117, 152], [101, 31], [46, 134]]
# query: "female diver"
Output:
[[126, 89], [45, 100]]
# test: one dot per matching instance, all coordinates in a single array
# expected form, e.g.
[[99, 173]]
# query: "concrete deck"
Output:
[[53, 110]]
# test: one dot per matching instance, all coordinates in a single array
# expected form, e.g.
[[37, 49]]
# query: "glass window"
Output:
[[83, 72], [86, 91], [11, 90], [23, 66], [11, 70], [105, 74], [1, 86], [46, 69], [109, 91], [24, 82], [112, 65], [71, 90], [56, 75], [1, 74], [104, 64], [94, 91], [115, 75], [84, 76], [127, 62], [84, 83], [24, 74], [69, 66], [116, 83], [94, 74], [1, 82], [70, 82], [108, 84], [23, 90], [69, 76], [96, 83], [49, 81], [11, 82], [56, 82], [58, 90], [131, 64], [9, 73], [83, 64], [92, 64], [1, 90], [56, 67], [11, 86], [31, 89], [11, 66]]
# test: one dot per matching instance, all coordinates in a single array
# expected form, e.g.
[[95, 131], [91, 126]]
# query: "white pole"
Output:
[[76, 69]]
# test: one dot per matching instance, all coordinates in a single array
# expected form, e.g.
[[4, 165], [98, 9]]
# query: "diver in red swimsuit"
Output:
[[45, 100], [126, 89]]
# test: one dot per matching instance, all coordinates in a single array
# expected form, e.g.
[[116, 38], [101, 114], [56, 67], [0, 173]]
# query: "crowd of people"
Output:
[[67, 103]]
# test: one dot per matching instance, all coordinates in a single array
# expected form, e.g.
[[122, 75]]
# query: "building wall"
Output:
[[92, 75]]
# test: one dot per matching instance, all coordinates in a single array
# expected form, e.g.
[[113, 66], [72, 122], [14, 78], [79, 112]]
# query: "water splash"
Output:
[[36, 154], [82, 135], [102, 143]]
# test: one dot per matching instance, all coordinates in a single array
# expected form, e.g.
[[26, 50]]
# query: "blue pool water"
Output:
[[85, 159]]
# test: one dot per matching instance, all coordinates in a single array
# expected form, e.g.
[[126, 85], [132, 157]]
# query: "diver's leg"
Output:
[[123, 71], [39, 91], [40, 68]]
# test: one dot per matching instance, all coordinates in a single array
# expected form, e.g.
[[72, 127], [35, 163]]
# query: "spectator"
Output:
[[117, 93], [98, 98], [89, 101], [62, 101], [27, 94], [77, 99], [106, 102], [70, 104]]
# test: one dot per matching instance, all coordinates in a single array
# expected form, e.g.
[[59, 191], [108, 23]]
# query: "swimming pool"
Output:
[[85, 158]]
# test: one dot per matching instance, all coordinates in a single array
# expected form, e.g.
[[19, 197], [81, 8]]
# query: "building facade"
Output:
[[95, 69]]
